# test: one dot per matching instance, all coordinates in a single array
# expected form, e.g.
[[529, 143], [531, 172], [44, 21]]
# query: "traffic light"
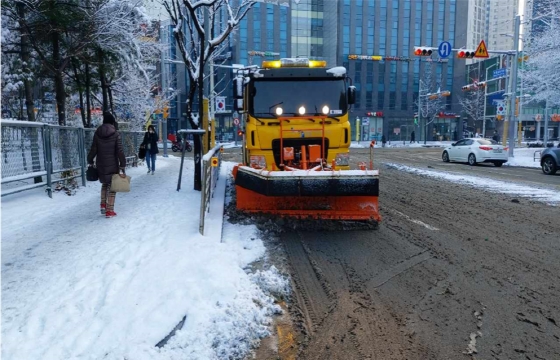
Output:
[[474, 86], [240, 132], [422, 51], [465, 54], [165, 112]]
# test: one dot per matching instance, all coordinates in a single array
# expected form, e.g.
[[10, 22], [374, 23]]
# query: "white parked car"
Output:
[[476, 150]]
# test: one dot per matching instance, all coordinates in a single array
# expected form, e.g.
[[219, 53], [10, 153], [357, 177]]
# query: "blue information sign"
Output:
[[444, 49], [499, 73]]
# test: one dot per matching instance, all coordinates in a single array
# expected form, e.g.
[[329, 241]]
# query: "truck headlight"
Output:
[[342, 159], [257, 161]]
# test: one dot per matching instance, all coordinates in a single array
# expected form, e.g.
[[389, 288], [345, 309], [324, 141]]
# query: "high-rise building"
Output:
[[502, 21], [387, 31], [476, 27], [265, 32]]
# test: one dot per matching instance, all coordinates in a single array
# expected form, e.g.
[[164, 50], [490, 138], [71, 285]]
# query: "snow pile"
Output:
[[272, 282], [76, 285], [337, 71], [548, 196], [524, 157], [400, 144]]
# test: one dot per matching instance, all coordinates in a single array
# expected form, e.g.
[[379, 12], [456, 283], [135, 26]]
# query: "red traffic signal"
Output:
[[465, 54], [422, 51], [240, 132]]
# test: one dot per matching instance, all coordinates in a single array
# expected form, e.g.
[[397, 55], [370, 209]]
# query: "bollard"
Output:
[[371, 145]]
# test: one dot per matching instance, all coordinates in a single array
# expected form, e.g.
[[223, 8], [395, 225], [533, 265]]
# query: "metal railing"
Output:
[[210, 175], [36, 155]]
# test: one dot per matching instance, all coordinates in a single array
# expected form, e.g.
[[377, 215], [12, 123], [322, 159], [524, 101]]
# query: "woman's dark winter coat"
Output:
[[108, 152], [152, 139]]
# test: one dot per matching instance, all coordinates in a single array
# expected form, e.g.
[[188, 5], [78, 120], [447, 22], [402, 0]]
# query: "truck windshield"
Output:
[[291, 94]]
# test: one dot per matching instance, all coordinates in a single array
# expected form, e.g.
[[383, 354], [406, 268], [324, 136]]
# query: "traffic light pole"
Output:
[[513, 90]]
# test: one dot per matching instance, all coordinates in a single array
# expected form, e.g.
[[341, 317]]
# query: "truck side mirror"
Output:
[[351, 95], [238, 88], [238, 105]]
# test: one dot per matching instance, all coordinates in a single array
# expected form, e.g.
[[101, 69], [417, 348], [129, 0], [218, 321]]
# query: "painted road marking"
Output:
[[427, 226]]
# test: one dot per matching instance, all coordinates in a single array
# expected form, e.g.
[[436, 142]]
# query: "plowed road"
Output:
[[453, 272]]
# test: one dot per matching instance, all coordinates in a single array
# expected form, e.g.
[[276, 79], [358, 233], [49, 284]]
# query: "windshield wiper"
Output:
[[270, 107], [328, 117]]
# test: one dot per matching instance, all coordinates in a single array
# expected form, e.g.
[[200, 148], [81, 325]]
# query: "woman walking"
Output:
[[107, 150], [150, 144]]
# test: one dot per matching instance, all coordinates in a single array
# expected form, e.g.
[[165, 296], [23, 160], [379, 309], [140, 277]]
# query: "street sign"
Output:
[[236, 122], [444, 49], [397, 131], [365, 121], [499, 73], [481, 51]]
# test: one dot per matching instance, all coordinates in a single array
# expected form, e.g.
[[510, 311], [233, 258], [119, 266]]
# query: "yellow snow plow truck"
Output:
[[296, 140]]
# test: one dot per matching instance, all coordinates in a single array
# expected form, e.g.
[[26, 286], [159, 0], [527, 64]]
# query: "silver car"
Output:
[[550, 160]]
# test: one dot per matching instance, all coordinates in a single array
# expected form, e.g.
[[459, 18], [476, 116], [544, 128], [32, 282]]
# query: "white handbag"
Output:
[[120, 184]]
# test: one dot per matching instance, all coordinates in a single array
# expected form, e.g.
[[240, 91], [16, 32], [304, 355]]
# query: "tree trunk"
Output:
[[103, 80], [110, 93], [80, 92], [197, 138], [58, 80], [24, 53], [88, 102]]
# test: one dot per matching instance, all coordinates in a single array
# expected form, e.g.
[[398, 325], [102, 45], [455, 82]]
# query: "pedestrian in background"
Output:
[[412, 137], [107, 150], [150, 144], [496, 137], [383, 140]]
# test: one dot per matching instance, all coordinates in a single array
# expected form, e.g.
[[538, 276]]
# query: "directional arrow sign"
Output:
[[444, 49], [481, 50]]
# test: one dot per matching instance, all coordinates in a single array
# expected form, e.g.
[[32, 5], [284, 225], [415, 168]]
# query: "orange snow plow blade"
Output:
[[333, 195]]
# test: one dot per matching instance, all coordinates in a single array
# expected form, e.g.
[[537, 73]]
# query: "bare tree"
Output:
[[542, 50], [473, 104], [200, 37], [430, 102]]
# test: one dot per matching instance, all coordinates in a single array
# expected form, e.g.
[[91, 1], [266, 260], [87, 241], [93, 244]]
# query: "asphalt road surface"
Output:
[[451, 272]]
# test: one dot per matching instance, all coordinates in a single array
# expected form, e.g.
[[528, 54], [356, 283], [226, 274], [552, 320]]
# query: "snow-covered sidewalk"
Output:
[[76, 285]]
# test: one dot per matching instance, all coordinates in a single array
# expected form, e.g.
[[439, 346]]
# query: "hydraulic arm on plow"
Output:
[[296, 144]]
